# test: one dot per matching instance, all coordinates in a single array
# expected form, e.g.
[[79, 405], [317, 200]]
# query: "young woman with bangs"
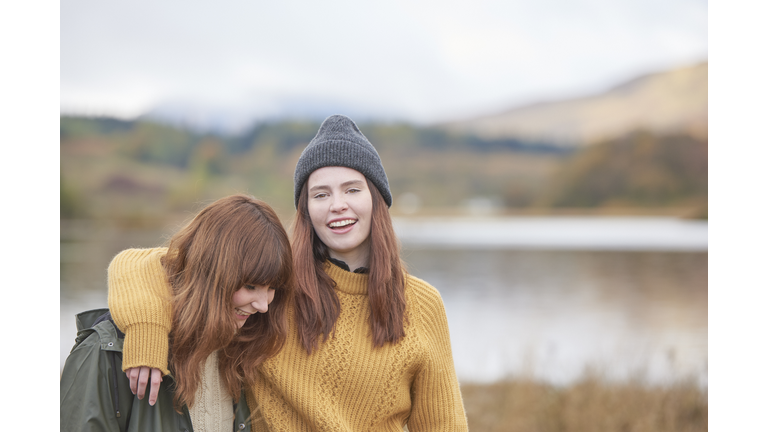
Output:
[[368, 345], [224, 271]]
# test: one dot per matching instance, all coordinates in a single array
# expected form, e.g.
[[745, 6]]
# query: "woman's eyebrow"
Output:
[[351, 182], [343, 185]]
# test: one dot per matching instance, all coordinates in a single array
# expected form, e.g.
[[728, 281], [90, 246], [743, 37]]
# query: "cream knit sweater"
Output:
[[213, 409], [347, 385]]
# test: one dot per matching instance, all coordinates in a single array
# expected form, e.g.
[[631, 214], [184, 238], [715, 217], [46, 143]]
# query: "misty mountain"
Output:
[[237, 118], [665, 102], [673, 101]]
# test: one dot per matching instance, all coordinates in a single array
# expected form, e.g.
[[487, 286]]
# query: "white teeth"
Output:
[[343, 223], [242, 312]]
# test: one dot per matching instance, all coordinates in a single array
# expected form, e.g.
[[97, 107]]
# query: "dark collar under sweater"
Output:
[[343, 265]]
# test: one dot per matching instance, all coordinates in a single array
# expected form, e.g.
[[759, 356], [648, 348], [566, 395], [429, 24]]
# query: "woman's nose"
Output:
[[339, 203], [260, 306], [261, 303]]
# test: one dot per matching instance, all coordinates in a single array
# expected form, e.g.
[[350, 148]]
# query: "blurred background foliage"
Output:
[[141, 169], [637, 148]]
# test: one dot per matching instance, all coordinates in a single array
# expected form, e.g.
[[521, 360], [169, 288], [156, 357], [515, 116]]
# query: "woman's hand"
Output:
[[139, 376]]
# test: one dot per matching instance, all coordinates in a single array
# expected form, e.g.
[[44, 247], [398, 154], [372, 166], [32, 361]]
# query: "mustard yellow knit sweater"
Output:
[[347, 385]]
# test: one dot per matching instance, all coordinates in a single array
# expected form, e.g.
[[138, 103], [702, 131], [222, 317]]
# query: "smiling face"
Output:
[[251, 299], [340, 208]]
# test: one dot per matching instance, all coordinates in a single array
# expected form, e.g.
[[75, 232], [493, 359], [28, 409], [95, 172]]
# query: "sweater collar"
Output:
[[346, 281], [344, 265]]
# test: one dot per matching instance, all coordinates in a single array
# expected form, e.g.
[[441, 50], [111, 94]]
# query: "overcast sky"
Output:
[[419, 60]]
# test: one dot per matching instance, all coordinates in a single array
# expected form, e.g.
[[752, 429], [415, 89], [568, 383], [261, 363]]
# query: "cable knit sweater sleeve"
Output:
[[436, 398], [139, 299]]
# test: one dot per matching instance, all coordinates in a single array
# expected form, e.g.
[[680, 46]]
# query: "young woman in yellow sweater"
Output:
[[368, 345], [224, 270]]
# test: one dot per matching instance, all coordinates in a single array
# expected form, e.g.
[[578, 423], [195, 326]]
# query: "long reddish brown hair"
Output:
[[317, 305], [235, 241]]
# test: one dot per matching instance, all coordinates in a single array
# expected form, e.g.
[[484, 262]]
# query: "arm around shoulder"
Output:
[[139, 299]]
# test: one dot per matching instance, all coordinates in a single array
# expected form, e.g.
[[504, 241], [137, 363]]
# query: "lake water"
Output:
[[542, 297]]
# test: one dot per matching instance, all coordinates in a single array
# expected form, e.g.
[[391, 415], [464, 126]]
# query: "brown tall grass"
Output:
[[589, 405]]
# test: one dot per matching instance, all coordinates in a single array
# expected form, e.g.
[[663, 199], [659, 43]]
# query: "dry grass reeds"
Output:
[[591, 404]]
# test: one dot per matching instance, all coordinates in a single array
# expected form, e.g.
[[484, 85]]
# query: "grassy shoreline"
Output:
[[590, 404]]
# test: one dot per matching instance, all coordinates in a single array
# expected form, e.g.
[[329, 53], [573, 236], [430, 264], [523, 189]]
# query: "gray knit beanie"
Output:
[[340, 143]]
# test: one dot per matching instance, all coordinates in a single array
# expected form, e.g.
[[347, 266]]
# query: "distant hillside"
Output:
[[139, 171], [665, 102], [637, 170]]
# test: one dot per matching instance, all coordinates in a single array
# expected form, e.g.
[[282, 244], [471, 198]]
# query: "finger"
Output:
[[154, 385], [143, 378], [133, 378]]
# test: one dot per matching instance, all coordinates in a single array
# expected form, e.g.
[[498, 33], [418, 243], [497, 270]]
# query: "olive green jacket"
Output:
[[95, 393]]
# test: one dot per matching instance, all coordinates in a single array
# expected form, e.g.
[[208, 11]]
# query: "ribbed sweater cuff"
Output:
[[146, 345]]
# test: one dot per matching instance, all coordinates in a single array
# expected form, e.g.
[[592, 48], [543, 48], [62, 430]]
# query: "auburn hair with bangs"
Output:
[[317, 306], [235, 241]]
